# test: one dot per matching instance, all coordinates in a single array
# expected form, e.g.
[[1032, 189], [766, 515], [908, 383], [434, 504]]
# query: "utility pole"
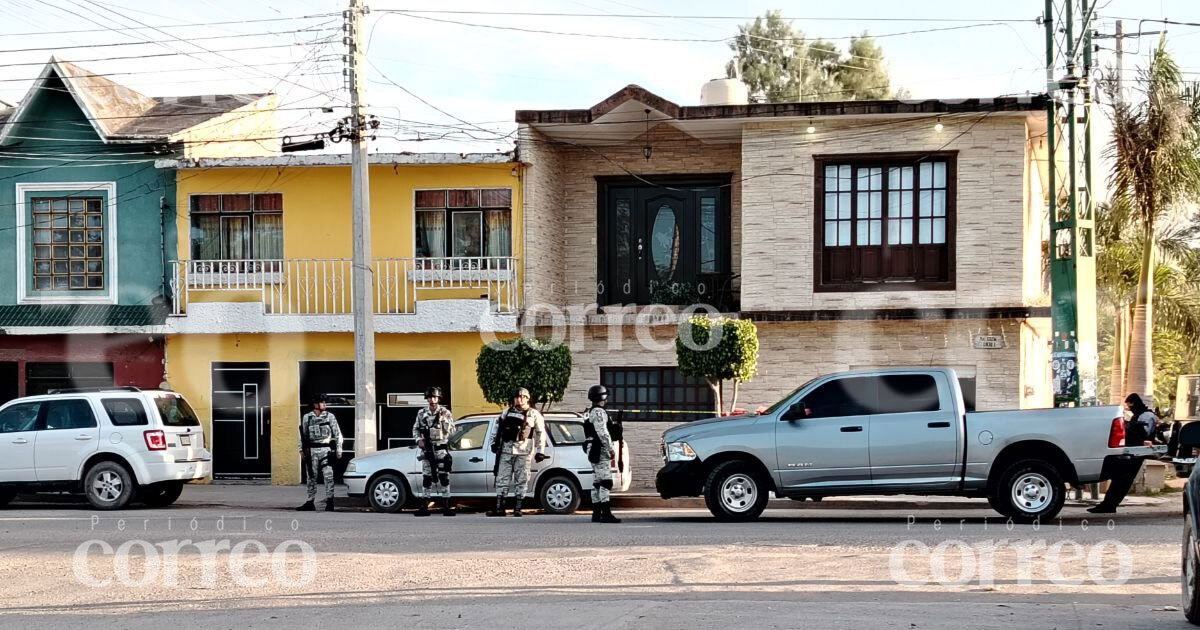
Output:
[[362, 304], [1074, 353], [1118, 71]]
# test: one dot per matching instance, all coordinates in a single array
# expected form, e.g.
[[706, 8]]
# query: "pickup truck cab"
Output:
[[892, 431], [114, 445]]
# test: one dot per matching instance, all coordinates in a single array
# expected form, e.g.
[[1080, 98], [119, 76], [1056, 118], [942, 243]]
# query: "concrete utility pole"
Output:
[[362, 304]]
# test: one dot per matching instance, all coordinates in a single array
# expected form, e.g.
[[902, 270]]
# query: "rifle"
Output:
[[306, 452], [427, 450]]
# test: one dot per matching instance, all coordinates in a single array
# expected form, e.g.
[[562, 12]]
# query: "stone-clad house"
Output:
[[855, 234]]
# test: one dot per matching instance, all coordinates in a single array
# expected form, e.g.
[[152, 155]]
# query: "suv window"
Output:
[[72, 413], [908, 393], [19, 417], [853, 396], [176, 412], [565, 432], [468, 437], [125, 412]]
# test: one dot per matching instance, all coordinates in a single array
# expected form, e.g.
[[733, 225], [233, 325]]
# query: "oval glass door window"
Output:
[[664, 242]]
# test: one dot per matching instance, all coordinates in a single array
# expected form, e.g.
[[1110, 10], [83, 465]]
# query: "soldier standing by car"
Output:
[[320, 439], [435, 424], [520, 435], [599, 446]]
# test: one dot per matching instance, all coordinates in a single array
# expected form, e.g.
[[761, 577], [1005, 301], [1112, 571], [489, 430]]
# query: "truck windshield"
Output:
[[782, 401], [176, 412]]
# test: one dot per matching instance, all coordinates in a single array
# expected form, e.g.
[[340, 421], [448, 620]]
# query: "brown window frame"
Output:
[[885, 160], [463, 202], [258, 204]]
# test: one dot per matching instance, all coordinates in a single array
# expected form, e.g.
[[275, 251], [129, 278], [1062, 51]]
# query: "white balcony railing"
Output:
[[321, 286]]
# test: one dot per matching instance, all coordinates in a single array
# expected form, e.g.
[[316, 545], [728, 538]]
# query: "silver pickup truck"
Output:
[[892, 431]]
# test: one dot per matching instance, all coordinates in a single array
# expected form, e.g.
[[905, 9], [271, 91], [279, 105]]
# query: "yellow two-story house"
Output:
[[260, 296]]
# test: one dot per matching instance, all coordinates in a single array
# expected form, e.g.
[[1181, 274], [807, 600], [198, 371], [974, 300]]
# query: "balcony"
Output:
[[322, 286]]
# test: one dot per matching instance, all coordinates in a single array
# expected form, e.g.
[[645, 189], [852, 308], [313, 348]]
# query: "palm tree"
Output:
[[1156, 171]]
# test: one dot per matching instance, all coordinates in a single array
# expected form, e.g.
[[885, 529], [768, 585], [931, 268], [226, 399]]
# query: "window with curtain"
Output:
[[464, 223], [237, 226]]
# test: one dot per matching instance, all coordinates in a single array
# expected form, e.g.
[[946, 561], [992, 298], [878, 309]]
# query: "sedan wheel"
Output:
[[387, 493], [559, 495]]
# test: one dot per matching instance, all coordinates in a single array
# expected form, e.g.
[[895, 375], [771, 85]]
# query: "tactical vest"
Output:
[[318, 430], [513, 427]]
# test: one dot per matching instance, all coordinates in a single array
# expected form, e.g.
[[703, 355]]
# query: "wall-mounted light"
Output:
[[647, 150], [939, 126], [811, 128]]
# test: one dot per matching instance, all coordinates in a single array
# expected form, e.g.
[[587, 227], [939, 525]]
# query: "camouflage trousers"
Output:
[[320, 462], [513, 474], [602, 478], [435, 479]]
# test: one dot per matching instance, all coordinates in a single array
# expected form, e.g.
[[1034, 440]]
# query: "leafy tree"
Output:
[[732, 355], [543, 367], [779, 63], [1156, 175]]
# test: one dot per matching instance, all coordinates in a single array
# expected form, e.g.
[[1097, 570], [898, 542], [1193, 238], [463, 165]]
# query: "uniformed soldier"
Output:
[[436, 423], [599, 446], [520, 435], [320, 440]]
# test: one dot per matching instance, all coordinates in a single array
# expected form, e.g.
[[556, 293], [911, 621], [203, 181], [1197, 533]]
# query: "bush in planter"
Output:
[[541, 366], [733, 355]]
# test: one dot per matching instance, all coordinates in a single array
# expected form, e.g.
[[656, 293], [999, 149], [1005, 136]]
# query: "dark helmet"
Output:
[[597, 393], [518, 391], [430, 392], [320, 398]]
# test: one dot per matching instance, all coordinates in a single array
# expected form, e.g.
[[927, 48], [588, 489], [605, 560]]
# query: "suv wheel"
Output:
[[559, 495], [1188, 573], [160, 494], [387, 493], [734, 491], [6, 496], [1030, 490], [108, 486]]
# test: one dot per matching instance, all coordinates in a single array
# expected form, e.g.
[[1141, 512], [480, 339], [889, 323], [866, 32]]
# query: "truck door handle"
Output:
[[475, 460], [20, 441], [851, 429], [939, 425]]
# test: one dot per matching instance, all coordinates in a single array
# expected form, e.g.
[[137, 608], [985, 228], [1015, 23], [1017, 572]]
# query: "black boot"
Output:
[[424, 509], [447, 508], [517, 506], [307, 507], [596, 511], [606, 515], [499, 510], [329, 505]]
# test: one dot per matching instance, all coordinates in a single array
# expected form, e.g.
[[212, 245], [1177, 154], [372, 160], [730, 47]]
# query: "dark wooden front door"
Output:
[[658, 241]]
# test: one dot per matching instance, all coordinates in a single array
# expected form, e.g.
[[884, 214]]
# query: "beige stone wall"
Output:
[[791, 353], [777, 209], [542, 177]]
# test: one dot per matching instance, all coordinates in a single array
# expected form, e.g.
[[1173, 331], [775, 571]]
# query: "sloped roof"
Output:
[[121, 114]]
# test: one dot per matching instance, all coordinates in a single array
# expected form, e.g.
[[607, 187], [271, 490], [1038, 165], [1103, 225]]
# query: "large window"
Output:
[[885, 222], [464, 223], [68, 243], [237, 227], [656, 394]]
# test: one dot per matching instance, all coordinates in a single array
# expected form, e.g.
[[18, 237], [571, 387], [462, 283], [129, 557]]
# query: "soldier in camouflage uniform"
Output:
[[599, 447], [436, 422], [520, 435], [320, 441]]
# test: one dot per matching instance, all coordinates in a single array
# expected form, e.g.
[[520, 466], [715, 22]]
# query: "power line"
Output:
[[703, 17], [194, 24], [147, 42], [171, 71], [170, 54]]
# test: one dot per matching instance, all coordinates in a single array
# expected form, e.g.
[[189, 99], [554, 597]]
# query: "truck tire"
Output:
[[1029, 490], [1188, 574], [160, 494], [734, 491], [108, 485]]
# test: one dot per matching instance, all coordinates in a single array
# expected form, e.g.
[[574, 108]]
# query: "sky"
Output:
[[455, 86]]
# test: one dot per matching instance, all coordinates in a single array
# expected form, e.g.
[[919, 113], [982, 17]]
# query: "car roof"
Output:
[[90, 392], [549, 415]]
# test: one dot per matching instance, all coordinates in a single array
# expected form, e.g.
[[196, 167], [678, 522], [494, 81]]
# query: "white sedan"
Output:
[[391, 479]]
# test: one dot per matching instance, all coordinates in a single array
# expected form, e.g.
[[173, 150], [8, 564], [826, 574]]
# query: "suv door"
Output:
[[821, 441], [17, 437], [915, 438], [67, 434], [471, 465]]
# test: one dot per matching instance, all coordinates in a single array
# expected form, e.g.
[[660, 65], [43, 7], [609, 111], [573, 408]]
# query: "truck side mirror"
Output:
[[1189, 435], [795, 412]]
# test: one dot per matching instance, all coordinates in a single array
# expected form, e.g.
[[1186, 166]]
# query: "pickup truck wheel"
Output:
[[160, 494], [108, 486], [387, 493], [1188, 573], [1030, 490], [734, 492]]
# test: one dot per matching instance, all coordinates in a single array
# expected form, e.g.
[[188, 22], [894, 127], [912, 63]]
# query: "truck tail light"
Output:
[[1116, 434], [156, 440]]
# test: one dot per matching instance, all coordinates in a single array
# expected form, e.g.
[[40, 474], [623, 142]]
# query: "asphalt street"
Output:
[[672, 568]]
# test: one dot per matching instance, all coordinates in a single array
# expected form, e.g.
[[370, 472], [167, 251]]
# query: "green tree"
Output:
[[1156, 173], [543, 367], [718, 350], [779, 63]]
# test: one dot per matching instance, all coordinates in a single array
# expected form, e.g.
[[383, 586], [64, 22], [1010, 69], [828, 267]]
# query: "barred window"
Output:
[[656, 394], [68, 243]]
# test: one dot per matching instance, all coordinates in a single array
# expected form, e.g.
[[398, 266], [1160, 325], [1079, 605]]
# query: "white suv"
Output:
[[112, 444]]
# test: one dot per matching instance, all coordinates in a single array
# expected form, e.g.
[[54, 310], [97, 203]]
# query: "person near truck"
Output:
[[520, 435], [320, 441], [1139, 431], [436, 422], [599, 446]]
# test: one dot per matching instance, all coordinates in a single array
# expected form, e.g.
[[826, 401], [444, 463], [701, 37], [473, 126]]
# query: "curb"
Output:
[[653, 502]]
